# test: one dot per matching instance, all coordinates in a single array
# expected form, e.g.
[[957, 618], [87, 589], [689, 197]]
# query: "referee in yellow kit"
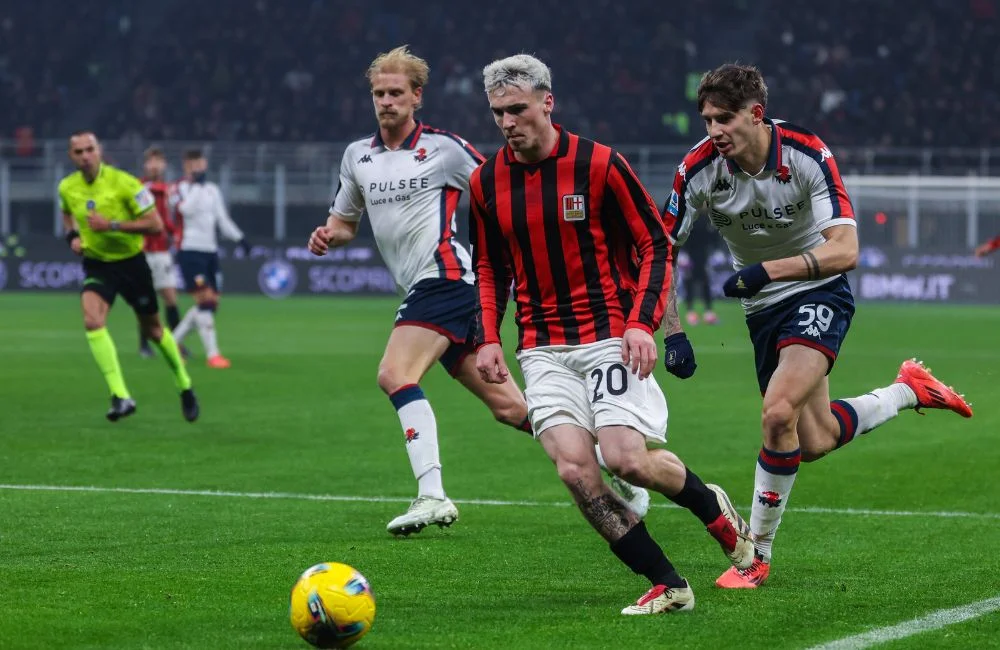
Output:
[[106, 212]]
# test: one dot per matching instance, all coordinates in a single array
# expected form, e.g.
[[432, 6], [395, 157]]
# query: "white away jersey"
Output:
[[410, 195], [780, 212], [200, 211]]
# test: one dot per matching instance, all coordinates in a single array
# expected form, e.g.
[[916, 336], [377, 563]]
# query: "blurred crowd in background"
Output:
[[891, 73]]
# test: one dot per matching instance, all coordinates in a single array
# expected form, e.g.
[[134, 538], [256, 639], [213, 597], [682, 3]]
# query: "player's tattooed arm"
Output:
[[671, 319], [605, 512], [838, 254]]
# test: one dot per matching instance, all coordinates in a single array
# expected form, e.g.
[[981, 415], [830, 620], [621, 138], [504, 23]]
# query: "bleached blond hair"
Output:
[[400, 60], [521, 71]]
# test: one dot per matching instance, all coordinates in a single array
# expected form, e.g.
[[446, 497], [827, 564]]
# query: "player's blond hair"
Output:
[[521, 71], [400, 60]]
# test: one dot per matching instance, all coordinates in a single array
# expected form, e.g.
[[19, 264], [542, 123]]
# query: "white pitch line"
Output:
[[933, 621], [474, 502]]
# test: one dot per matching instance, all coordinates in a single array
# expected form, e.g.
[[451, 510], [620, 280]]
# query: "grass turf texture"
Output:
[[300, 412]]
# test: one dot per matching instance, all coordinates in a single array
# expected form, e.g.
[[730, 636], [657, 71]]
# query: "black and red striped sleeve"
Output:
[[651, 243], [490, 263]]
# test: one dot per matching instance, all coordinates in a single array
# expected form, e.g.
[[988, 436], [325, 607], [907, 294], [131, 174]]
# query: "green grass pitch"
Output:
[[300, 414]]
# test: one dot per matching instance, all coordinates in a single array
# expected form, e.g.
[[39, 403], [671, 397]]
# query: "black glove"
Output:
[[746, 282], [678, 355]]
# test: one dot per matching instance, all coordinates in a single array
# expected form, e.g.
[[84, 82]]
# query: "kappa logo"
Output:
[[574, 207], [825, 153], [722, 185], [365, 159], [683, 170]]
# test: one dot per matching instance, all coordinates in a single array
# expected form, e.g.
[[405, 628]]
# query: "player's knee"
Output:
[[577, 476], [778, 418], [390, 379], [629, 465], [93, 322]]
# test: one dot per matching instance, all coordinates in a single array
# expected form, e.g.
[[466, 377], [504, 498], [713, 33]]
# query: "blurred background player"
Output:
[[416, 236], [776, 194], [567, 222], [201, 211], [697, 282], [157, 245], [988, 247], [106, 212]]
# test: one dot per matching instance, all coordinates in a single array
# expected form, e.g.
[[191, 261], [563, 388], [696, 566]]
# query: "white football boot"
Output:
[[635, 498], [663, 600], [423, 512], [741, 553]]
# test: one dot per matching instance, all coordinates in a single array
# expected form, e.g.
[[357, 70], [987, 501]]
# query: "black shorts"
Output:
[[199, 269], [447, 307], [130, 277], [818, 319]]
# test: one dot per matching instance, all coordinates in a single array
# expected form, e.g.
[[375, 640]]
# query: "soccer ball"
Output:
[[332, 605]]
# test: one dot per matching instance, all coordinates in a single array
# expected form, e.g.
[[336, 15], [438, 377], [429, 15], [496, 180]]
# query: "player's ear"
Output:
[[418, 92], [548, 104], [757, 111]]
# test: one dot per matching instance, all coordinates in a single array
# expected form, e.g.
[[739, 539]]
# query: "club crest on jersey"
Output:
[[783, 175], [574, 207], [421, 155]]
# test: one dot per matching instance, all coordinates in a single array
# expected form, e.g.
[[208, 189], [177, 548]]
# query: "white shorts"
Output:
[[589, 386], [162, 266]]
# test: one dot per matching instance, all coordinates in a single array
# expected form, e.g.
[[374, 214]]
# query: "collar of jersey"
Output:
[[558, 151], [409, 143], [773, 155], [100, 171]]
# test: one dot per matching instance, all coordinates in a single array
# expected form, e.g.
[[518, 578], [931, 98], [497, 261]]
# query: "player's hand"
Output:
[[76, 246], [639, 351], [983, 250], [678, 355], [98, 223], [491, 364], [319, 242], [747, 282], [244, 246]]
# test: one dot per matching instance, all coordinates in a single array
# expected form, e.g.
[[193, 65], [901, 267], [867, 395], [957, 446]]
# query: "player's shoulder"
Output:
[[801, 139], [701, 154], [358, 148], [70, 181], [450, 141]]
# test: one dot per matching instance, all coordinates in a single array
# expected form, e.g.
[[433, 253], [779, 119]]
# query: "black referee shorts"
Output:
[[130, 277]]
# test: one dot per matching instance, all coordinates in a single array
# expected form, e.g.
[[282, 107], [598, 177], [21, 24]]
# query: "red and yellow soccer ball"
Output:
[[332, 605]]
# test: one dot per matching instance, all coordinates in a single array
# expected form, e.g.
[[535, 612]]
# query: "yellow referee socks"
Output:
[[106, 356], [172, 354]]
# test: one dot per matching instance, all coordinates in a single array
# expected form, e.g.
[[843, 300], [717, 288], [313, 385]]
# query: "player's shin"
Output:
[[773, 480], [171, 353], [106, 355], [420, 433], [173, 316], [205, 320], [185, 325], [857, 415], [640, 553]]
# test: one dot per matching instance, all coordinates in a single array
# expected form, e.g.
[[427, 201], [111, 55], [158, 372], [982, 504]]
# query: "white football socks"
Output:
[[881, 405], [773, 480], [205, 319], [420, 433]]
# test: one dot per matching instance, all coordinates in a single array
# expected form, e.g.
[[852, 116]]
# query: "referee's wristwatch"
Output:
[[114, 225]]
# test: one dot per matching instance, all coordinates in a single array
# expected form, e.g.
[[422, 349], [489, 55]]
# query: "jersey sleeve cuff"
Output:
[[634, 324], [839, 221]]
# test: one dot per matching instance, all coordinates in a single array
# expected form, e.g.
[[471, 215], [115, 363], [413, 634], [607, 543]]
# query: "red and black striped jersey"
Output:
[[160, 242], [577, 235]]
